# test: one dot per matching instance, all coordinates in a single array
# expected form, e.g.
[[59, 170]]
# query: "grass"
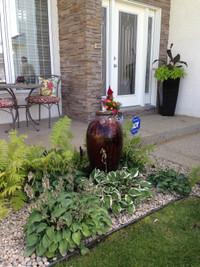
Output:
[[169, 237]]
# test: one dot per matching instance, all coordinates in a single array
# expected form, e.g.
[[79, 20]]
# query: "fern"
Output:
[[18, 200], [3, 154], [134, 154], [3, 208], [13, 158], [61, 134]]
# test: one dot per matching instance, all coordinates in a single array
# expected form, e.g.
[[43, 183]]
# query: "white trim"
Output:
[[107, 45], [139, 4], [112, 57], [144, 57], [155, 54]]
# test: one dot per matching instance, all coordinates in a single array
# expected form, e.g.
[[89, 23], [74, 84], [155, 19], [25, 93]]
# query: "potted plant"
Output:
[[169, 75]]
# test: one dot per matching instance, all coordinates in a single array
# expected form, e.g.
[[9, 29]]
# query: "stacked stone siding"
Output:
[[80, 52]]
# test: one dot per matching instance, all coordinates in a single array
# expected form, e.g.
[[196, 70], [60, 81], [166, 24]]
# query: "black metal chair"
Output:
[[47, 95]]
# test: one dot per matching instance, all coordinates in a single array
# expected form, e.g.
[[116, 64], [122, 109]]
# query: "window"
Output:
[[26, 38]]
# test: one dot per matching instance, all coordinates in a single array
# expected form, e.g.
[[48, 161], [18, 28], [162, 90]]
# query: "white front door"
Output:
[[127, 53], [130, 38]]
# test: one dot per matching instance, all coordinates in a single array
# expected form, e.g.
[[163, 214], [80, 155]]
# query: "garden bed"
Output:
[[12, 245]]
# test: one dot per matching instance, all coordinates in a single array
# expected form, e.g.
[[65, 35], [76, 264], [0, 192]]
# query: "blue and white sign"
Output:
[[136, 125]]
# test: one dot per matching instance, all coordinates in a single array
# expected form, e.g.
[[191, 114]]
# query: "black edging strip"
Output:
[[97, 240]]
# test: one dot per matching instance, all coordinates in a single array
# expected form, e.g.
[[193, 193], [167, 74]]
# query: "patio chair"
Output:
[[8, 105], [47, 95]]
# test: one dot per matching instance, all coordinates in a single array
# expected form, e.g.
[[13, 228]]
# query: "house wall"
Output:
[[80, 52], [184, 34]]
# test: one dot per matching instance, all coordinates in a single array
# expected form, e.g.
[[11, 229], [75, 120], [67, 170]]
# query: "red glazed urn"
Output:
[[105, 132]]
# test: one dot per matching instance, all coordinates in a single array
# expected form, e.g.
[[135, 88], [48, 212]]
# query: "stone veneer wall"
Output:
[[80, 52]]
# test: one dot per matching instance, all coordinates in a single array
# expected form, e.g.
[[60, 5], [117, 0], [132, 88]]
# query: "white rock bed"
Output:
[[12, 243]]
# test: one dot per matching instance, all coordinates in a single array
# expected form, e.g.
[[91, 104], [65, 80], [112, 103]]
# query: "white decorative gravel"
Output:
[[12, 243]]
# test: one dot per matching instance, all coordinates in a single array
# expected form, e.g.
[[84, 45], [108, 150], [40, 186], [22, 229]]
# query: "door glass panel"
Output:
[[149, 64], [30, 37], [127, 53], [104, 48], [2, 67]]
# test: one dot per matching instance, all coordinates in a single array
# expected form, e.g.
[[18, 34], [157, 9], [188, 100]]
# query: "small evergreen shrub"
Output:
[[169, 181]]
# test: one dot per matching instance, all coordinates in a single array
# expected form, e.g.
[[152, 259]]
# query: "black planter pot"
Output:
[[168, 93]]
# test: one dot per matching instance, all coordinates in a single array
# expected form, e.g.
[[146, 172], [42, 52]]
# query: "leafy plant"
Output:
[[194, 177], [134, 154], [61, 221], [13, 156], [165, 73], [17, 160], [170, 70], [120, 190], [169, 181], [72, 180]]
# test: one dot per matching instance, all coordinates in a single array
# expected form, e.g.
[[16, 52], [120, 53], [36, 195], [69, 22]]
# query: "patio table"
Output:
[[10, 87]]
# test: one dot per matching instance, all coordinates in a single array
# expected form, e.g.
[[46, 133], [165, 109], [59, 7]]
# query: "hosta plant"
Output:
[[169, 181], [60, 221], [120, 190]]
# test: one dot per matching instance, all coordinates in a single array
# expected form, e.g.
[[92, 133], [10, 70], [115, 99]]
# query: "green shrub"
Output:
[[134, 153], [120, 190], [169, 181], [61, 221]]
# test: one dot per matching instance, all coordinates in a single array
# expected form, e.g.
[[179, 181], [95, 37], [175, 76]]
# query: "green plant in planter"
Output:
[[172, 70]]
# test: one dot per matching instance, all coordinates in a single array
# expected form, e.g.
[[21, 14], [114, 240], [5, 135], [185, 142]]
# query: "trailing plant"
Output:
[[60, 221], [165, 73], [134, 154], [194, 176], [169, 181], [172, 70], [120, 190]]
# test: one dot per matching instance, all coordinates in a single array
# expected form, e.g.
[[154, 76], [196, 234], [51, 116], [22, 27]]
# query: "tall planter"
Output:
[[168, 93], [104, 134]]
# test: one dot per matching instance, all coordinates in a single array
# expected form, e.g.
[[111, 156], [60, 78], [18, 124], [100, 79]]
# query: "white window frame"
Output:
[[7, 45]]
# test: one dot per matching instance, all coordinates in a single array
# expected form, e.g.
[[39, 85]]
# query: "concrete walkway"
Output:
[[177, 138]]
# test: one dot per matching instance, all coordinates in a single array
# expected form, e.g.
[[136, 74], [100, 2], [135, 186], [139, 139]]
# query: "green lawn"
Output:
[[169, 237]]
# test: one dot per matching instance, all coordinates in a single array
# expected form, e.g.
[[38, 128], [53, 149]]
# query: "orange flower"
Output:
[[111, 108], [113, 104], [109, 101], [106, 107]]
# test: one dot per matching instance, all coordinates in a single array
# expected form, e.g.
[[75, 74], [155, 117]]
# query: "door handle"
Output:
[[115, 65]]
